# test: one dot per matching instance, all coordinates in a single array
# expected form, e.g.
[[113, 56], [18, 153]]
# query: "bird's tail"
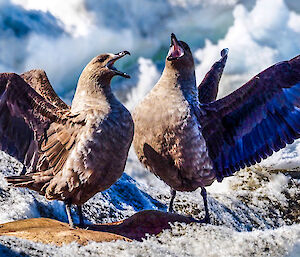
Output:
[[20, 181], [31, 181]]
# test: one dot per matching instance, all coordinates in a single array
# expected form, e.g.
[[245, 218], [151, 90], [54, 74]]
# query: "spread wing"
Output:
[[208, 88], [25, 118], [53, 150], [59, 139], [259, 118], [39, 81]]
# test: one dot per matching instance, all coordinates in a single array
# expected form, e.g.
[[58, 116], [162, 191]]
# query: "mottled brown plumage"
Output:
[[72, 153]]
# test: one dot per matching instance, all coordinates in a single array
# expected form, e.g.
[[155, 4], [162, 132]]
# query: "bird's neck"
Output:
[[91, 95], [183, 80]]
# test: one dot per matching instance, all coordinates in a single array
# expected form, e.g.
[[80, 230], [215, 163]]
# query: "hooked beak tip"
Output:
[[173, 39], [113, 60], [124, 53]]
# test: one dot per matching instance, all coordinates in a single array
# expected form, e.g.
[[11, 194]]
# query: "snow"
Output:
[[254, 212], [181, 240]]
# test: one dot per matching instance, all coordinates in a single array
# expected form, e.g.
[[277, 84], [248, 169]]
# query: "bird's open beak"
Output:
[[111, 62], [175, 51]]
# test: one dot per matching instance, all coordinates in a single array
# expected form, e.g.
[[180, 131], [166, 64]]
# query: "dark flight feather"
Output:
[[254, 121], [24, 116], [208, 88]]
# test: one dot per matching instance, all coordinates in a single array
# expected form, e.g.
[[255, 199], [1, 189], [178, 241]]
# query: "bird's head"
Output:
[[179, 55], [101, 68]]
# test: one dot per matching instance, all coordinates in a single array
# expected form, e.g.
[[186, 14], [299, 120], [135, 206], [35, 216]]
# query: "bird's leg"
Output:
[[204, 196], [79, 211], [173, 194], [68, 210], [23, 172]]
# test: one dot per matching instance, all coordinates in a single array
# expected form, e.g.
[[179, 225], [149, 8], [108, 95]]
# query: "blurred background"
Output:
[[62, 36]]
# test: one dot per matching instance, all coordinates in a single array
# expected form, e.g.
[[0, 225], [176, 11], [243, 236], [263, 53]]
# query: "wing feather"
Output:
[[25, 119], [208, 88], [39, 81], [254, 121], [57, 147]]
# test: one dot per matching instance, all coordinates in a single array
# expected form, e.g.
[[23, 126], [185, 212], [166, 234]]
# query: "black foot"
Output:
[[173, 194], [206, 220], [204, 196]]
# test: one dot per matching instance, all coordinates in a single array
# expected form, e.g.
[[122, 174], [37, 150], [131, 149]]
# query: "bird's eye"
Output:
[[102, 58]]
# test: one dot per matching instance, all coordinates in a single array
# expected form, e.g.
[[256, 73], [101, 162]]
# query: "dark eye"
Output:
[[103, 58]]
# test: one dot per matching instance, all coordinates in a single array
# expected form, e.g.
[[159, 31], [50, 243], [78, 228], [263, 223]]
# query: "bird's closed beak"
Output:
[[111, 62], [175, 51]]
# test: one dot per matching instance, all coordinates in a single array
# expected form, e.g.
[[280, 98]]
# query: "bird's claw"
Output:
[[206, 220]]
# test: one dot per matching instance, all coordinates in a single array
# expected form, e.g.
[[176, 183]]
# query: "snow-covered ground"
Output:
[[254, 213], [182, 240]]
